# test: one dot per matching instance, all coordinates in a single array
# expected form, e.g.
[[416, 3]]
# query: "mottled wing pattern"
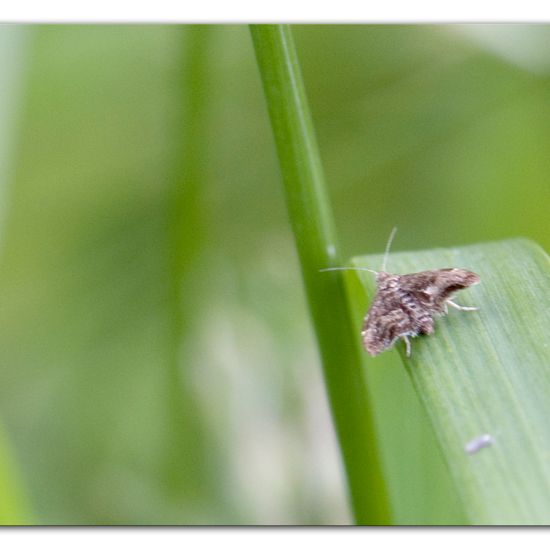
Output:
[[383, 327], [425, 288], [433, 288], [394, 313], [404, 305]]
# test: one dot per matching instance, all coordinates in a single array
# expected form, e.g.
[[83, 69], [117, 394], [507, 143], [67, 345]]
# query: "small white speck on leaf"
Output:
[[478, 443]]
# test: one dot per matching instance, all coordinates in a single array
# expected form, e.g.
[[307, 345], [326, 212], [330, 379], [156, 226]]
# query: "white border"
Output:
[[245, 11], [267, 539]]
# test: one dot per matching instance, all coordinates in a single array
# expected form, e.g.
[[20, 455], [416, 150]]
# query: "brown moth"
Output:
[[405, 305]]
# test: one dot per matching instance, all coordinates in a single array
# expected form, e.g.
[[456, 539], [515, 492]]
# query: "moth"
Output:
[[405, 305]]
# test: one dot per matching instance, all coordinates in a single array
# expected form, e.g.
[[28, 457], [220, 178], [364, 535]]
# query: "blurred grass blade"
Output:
[[14, 508], [312, 223], [13, 51], [487, 372], [184, 472], [13, 45]]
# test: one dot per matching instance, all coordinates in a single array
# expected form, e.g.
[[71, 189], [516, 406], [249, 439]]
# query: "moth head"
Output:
[[382, 277]]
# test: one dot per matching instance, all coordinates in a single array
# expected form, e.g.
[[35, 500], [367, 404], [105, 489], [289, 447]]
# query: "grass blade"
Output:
[[14, 505], [183, 471], [312, 223], [14, 508], [488, 372]]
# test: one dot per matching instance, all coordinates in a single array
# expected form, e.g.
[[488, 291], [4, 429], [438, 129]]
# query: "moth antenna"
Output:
[[388, 246], [349, 269]]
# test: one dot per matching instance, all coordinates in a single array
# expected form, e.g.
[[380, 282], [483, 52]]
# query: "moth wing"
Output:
[[434, 288], [418, 282], [383, 325], [378, 304]]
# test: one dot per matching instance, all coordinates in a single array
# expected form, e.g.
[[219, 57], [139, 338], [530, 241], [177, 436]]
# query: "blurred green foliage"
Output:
[[423, 127]]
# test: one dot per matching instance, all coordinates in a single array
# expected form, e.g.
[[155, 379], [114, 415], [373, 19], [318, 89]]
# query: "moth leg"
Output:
[[461, 308], [407, 344]]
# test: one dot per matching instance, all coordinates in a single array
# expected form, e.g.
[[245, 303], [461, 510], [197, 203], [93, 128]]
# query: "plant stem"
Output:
[[312, 222]]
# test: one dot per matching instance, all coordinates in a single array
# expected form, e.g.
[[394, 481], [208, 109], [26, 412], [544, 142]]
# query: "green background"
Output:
[[118, 405]]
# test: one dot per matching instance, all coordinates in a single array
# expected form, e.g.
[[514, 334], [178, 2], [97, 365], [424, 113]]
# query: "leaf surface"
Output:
[[485, 372]]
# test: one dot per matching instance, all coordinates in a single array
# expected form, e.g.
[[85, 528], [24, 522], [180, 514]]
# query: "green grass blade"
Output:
[[14, 508], [312, 223], [420, 487], [184, 473], [487, 372], [14, 505]]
